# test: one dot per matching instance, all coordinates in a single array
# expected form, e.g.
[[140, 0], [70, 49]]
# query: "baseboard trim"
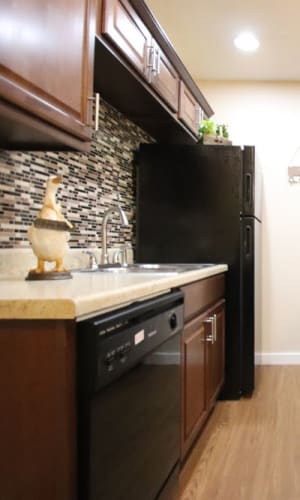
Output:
[[277, 358]]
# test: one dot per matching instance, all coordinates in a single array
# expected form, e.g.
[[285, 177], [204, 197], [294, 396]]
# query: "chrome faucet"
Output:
[[107, 214]]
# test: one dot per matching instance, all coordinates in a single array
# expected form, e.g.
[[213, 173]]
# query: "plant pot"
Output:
[[215, 140]]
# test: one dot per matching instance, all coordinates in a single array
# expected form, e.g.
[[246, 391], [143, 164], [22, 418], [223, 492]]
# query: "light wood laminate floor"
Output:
[[250, 449]]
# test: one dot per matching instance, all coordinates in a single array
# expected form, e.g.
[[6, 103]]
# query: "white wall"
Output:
[[267, 114]]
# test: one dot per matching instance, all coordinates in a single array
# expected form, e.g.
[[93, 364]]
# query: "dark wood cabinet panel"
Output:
[[193, 376], [189, 108], [215, 355], [202, 354], [38, 410], [46, 62], [202, 294], [125, 29], [164, 78]]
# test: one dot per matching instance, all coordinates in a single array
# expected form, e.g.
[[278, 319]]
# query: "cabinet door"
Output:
[[193, 381], [125, 29], [215, 354], [46, 60], [189, 109], [163, 77], [38, 410]]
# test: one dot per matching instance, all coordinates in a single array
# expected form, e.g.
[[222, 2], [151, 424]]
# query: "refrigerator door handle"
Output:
[[248, 189], [248, 241]]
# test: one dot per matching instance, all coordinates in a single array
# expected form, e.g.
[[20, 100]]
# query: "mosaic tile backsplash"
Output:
[[92, 182]]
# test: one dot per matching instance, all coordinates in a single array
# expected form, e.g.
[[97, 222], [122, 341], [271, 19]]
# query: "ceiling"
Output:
[[202, 34]]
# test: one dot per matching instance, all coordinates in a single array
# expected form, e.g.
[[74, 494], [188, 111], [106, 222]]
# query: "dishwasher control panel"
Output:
[[120, 350], [111, 344]]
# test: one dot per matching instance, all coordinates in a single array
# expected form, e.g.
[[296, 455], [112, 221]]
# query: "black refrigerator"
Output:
[[199, 204]]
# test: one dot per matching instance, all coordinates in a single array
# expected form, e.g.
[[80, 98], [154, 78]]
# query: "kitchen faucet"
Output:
[[107, 214]]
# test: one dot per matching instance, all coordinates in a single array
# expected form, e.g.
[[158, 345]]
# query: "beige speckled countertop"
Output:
[[87, 293]]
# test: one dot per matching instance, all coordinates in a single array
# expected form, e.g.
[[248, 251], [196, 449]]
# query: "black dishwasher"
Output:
[[128, 374]]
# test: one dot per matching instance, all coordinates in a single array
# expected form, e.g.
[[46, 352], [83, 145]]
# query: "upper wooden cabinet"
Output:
[[46, 72], [189, 108], [122, 25], [125, 29], [163, 76], [144, 78]]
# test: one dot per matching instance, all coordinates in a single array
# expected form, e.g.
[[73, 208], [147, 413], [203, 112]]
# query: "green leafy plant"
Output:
[[210, 127], [207, 127], [225, 133]]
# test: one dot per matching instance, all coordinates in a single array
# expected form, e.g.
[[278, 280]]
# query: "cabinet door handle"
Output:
[[158, 54], [210, 337], [149, 57], [215, 327], [199, 116], [156, 62], [97, 107]]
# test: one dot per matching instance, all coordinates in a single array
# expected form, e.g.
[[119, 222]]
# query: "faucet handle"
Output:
[[121, 254], [117, 256], [92, 259]]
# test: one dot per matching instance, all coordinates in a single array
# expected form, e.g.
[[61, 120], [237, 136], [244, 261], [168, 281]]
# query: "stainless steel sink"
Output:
[[146, 268]]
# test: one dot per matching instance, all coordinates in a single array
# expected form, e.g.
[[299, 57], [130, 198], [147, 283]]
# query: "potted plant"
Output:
[[207, 128], [212, 133]]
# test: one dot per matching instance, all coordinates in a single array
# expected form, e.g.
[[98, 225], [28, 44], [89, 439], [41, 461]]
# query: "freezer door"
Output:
[[247, 304], [188, 204]]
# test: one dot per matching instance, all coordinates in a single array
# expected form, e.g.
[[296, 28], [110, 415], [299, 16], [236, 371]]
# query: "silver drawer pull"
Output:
[[211, 336]]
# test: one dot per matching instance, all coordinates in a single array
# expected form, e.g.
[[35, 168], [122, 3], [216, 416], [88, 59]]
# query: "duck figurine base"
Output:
[[48, 275]]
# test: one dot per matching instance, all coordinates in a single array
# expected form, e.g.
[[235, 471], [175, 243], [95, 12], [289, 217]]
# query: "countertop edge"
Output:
[[89, 304]]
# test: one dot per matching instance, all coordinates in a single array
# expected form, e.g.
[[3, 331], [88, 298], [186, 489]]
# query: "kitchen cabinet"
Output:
[[193, 376], [123, 27], [164, 78], [189, 109], [144, 77], [38, 393], [214, 353], [202, 354], [46, 74], [38, 410]]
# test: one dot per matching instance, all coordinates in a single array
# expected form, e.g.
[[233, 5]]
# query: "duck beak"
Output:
[[57, 180]]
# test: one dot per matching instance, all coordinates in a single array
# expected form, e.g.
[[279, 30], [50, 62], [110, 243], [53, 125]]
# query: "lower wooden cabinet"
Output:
[[202, 356], [214, 353], [194, 410], [38, 410]]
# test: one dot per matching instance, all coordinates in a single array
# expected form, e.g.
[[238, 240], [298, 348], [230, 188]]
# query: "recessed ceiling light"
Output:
[[246, 41]]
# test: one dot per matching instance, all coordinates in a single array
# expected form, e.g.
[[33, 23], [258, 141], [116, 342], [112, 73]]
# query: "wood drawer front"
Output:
[[200, 294], [125, 29]]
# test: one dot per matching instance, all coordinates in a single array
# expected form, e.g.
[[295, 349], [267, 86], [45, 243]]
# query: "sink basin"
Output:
[[146, 268]]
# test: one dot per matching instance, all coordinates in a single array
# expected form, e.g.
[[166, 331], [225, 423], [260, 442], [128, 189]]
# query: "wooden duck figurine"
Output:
[[49, 233]]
